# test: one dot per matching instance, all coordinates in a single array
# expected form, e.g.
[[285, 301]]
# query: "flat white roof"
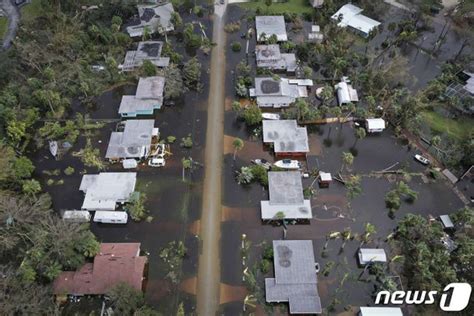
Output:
[[381, 311], [351, 16], [271, 25], [286, 195], [375, 123], [286, 136], [325, 176], [367, 255], [106, 189], [133, 142]]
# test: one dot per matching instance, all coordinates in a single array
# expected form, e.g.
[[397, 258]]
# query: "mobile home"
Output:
[[108, 217]]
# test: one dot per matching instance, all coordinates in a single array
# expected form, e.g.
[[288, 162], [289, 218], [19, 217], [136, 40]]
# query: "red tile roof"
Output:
[[115, 263]]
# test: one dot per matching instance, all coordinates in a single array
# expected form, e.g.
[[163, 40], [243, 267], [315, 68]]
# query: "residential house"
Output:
[[295, 279], [133, 142], [270, 57], [345, 92], [149, 96], [287, 138], [105, 190], [149, 50], [277, 92], [116, 263], [350, 16], [154, 18], [267, 26], [286, 197]]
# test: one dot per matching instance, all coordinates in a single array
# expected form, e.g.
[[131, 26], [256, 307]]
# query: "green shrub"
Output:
[[236, 46], [69, 171]]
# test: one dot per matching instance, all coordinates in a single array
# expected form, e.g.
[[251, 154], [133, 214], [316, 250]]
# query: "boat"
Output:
[[270, 116], [53, 148], [422, 159], [160, 151], [262, 162], [288, 164]]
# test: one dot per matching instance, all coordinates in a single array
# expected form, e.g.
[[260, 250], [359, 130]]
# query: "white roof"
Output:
[[271, 25], [276, 93], [286, 136], [133, 142], [381, 311], [345, 92], [77, 215], [351, 16], [367, 255], [106, 189], [100, 215], [375, 124], [286, 195], [301, 82], [325, 176]]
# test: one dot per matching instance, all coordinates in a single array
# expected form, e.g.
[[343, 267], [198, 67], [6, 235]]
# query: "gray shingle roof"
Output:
[[295, 277], [286, 136]]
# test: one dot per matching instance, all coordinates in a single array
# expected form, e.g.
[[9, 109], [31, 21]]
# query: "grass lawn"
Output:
[[291, 6], [3, 26], [458, 128]]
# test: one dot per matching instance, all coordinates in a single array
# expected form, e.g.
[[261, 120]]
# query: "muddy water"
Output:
[[175, 205], [332, 210], [208, 284]]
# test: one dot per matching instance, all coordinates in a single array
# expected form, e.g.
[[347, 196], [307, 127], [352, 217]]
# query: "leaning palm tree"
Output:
[[359, 133], [347, 160]]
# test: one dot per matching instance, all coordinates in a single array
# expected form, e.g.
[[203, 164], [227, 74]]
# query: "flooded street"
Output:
[[208, 285]]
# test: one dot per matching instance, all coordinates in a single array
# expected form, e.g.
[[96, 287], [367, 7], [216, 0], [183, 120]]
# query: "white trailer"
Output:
[[110, 217], [74, 216]]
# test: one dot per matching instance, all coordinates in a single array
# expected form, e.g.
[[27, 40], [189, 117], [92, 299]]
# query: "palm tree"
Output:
[[369, 230], [360, 133], [238, 144], [347, 160], [187, 164], [338, 64]]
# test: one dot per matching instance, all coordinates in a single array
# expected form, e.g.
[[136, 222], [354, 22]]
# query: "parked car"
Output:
[[262, 162], [156, 162], [422, 159]]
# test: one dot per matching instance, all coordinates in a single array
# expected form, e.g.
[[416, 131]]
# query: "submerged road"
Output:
[[208, 279]]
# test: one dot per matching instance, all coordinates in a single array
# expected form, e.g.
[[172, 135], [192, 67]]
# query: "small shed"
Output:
[[75, 216], [446, 221], [129, 163], [370, 255], [375, 125], [325, 179], [345, 92]]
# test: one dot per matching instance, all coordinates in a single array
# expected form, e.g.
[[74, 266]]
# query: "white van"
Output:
[[74, 216], [110, 217]]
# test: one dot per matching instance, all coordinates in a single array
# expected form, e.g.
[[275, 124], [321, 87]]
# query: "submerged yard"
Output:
[[291, 6], [458, 128]]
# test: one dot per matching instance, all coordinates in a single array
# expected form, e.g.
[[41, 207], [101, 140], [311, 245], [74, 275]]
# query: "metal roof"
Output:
[[351, 16], [276, 93], [271, 25], [375, 124], [147, 50], [106, 189], [295, 277], [345, 92], [286, 136], [446, 221]]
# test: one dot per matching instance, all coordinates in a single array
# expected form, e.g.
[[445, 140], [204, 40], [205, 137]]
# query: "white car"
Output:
[[156, 162], [422, 159]]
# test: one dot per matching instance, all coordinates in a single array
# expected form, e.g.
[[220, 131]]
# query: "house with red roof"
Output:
[[114, 264]]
